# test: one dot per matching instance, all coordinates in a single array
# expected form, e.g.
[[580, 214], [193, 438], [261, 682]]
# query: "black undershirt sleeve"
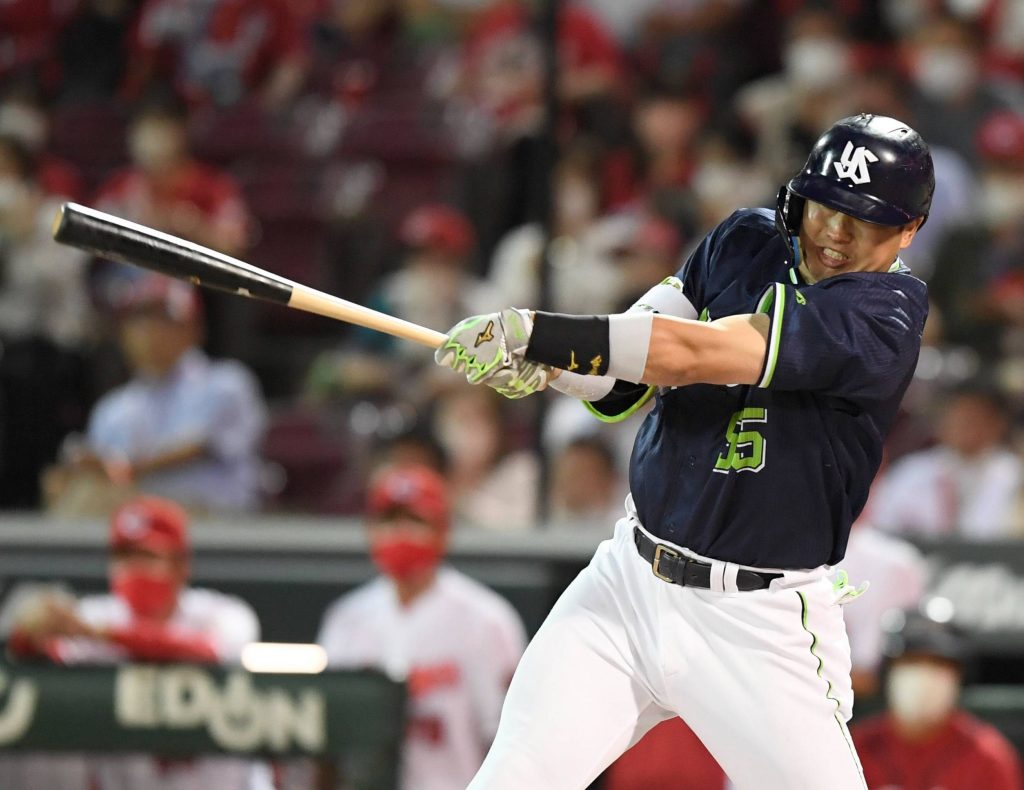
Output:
[[621, 399]]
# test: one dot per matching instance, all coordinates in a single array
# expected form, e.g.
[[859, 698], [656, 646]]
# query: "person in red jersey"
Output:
[[168, 189], [150, 614], [924, 740]]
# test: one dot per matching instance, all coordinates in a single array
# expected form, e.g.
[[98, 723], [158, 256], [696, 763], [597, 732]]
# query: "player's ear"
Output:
[[908, 231]]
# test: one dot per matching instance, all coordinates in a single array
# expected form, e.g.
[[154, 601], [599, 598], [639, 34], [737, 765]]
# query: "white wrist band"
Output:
[[629, 337], [589, 388]]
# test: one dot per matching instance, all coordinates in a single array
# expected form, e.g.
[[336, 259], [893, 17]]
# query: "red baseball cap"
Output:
[[174, 299], [152, 523], [440, 227], [1001, 137], [417, 490]]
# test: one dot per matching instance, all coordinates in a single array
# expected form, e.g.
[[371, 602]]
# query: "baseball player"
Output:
[[777, 358], [455, 641], [150, 615]]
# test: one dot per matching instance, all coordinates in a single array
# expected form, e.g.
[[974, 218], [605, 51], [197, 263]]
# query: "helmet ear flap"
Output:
[[789, 211]]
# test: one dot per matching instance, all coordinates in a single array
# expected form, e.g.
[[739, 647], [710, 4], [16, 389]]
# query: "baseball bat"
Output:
[[118, 239]]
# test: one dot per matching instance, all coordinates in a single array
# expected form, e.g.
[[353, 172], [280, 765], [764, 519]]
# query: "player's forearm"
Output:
[[730, 350], [169, 459], [158, 642]]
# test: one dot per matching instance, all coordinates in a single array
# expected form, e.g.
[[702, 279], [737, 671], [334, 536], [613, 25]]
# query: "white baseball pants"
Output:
[[762, 678]]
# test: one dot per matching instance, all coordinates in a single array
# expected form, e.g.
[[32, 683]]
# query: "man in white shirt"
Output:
[[968, 485], [455, 641]]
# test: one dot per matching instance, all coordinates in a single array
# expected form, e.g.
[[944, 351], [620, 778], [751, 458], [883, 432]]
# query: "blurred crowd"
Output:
[[395, 152]]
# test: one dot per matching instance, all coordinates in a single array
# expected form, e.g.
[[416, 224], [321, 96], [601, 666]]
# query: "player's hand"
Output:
[[490, 350]]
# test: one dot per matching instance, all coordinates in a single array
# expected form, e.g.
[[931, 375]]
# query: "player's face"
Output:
[[836, 243]]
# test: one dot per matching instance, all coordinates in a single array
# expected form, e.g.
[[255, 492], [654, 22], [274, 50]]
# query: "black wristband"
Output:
[[577, 343]]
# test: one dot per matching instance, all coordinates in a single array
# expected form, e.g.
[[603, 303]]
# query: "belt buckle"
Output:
[[659, 550]]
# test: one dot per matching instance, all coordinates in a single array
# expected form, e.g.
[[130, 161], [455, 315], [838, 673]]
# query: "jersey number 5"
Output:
[[747, 448]]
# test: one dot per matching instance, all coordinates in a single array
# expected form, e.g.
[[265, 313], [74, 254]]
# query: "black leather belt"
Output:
[[670, 565]]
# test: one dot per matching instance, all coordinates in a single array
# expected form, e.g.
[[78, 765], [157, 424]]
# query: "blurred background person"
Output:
[[653, 169], [967, 485], [24, 118], [977, 284], [584, 277], [434, 281], [166, 188], [184, 426], [432, 284], [493, 484], [218, 51], [897, 576], [455, 641], [789, 110], [924, 739], [953, 94], [47, 329], [150, 614], [668, 757], [587, 488]]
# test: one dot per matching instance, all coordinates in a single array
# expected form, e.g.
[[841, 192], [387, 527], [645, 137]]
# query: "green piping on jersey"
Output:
[[828, 694], [774, 299], [623, 415]]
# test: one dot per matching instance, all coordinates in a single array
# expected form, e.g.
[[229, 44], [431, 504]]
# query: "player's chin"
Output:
[[824, 266]]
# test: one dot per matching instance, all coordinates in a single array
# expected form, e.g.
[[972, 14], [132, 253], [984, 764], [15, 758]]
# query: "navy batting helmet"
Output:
[[871, 167]]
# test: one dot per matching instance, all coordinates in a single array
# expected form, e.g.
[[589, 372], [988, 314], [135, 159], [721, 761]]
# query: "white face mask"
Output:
[[154, 147], [1002, 200], [13, 192], [24, 123], [922, 694], [817, 62], [943, 73]]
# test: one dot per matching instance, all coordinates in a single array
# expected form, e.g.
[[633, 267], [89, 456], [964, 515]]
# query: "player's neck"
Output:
[[409, 590]]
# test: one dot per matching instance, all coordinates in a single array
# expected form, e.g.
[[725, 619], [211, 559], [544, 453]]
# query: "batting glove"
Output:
[[490, 350]]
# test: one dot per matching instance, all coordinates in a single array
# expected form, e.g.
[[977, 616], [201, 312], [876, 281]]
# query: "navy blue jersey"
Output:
[[773, 475]]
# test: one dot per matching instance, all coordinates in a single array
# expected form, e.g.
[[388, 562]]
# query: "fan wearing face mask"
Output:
[[924, 740], [952, 94], [151, 614], [454, 641]]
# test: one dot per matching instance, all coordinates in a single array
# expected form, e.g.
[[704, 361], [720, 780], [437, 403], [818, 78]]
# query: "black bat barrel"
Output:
[[112, 237]]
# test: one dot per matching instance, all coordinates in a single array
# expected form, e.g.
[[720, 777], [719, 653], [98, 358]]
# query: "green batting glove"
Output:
[[490, 349]]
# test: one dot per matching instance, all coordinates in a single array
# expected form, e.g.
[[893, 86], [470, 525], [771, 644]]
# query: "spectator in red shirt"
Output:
[[28, 30], [219, 51], [669, 757], [150, 614], [924, 740], [25, 119], [165, 188], [503, 68]]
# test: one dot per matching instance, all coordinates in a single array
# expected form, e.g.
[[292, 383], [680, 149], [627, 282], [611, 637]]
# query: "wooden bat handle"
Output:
[[314, 301]]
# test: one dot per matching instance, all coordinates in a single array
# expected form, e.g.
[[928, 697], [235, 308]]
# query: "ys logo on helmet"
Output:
[[853, 164]]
